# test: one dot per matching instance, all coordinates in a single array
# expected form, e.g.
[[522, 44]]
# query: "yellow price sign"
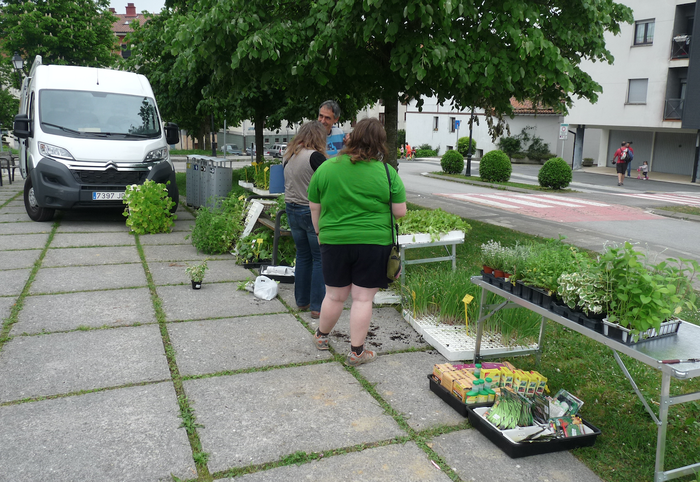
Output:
[[467, 299], [267, 169]]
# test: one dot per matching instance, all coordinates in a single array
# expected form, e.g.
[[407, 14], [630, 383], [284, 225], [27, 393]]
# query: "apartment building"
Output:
[[651, 93]]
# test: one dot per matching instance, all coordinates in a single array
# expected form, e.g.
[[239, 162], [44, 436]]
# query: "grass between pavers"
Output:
[[9, 200], [499, 185]]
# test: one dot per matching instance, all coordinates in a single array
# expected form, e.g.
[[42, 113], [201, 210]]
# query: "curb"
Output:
[[671, 214]]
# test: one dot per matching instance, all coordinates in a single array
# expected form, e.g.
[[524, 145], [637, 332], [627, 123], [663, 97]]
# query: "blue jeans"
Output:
[[629, 168], [309, 287]]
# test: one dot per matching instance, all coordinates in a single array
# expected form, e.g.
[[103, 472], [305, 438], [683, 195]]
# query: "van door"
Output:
[[25, 107]]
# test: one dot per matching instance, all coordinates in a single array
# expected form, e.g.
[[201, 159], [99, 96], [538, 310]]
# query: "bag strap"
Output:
[[394, 239]]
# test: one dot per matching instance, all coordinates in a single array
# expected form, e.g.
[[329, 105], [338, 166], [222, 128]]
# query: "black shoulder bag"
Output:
[[393, 266]]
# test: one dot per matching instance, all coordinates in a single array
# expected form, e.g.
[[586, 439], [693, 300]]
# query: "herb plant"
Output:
[[148, 208], [216, 230], [196, 272], [434, 222]]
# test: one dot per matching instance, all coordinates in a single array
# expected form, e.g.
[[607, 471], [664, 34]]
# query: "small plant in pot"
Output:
[[490, 252], [196, 274]]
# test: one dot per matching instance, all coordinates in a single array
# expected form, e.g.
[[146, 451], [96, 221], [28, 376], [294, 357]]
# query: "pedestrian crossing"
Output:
[[685, 199], [524, 201]]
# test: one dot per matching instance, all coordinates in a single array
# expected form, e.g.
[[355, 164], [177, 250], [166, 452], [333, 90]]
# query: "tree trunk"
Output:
[[259, 126], [391, 118]]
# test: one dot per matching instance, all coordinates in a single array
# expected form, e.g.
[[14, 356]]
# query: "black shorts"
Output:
[[363, 265], [621, 167]]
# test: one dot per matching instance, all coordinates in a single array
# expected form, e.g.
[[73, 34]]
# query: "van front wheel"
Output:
[[35, 212]]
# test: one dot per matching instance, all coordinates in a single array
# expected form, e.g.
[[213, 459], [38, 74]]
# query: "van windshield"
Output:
[[74, 113]]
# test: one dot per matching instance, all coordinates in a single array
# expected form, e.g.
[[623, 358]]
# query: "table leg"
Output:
[[663, 425]]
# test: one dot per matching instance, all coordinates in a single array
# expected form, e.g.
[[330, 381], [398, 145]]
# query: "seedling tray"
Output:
[[264, 271], [524, 449], [450, 399]]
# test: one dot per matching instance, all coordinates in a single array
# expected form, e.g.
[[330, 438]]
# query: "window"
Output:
[[452, 124], [435, 123], [277, 139], [267, 140], [644, 32], [637, 93]]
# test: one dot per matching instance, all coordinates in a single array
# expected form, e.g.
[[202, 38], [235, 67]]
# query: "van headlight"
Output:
[[157, 155], [47, 150]]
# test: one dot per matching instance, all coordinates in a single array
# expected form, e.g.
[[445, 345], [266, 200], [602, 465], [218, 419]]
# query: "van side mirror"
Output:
[[172, 133], [22, 126]]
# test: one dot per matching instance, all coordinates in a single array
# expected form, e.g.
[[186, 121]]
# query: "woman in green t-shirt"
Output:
[[349, 202]]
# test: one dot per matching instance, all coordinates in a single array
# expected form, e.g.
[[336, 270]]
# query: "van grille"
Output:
[[110, 176]]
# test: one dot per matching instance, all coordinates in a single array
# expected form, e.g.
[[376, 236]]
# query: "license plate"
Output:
[[107, 196]]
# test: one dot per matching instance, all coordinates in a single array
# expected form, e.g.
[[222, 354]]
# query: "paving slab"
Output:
[[259, 417], [94, 309], [23, 241], [178, 253], [84, 278], [19, 258], [6, 305], [466, 451], [402, 380], [218, 270], [388, 332], [12, 281], [25, 228], [57, 257], [131, 433], [212, 346], [214, 300], [90, 225], [70, 240], [391, 463], [175, 237], [186, 225], [13, 209], [183, 215], [12, 217], [35, 366]]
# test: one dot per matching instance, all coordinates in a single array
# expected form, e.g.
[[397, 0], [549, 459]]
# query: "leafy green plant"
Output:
[[425, 153], [495, 166], [463, 146], [434, 222], [148, 208], [509, 145], [546, 264], [255, 247], [196, 272], [452, 162], [217, 229], [538, 149], [491, 252], [277, 207], [555, 174]]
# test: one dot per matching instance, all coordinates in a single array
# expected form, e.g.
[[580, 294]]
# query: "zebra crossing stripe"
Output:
[[517, 201], [468, 198], [677, 199], [577, 201], [556, 201]]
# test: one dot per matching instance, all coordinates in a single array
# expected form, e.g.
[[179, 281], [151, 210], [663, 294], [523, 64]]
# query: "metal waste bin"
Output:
[[218, 181], [193, 180]]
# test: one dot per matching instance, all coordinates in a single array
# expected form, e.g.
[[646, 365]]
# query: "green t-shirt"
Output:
[[354, 201]]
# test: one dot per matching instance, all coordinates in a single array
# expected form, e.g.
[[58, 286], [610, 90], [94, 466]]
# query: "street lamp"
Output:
[[18, 63], [468, 172]]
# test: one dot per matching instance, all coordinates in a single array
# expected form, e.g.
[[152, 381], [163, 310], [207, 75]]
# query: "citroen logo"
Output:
[[111, 165]]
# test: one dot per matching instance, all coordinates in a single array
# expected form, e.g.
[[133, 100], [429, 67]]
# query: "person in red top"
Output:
[[620, 163]]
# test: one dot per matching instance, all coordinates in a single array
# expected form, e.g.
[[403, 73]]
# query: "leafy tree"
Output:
[[9, 104], [477, 53], [66, 32]]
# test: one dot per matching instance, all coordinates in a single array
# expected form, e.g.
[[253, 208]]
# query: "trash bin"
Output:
[[277, 179], [218, 181], [193, 180]]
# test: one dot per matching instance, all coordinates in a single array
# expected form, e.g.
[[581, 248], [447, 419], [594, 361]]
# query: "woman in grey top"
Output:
[[303, 155]]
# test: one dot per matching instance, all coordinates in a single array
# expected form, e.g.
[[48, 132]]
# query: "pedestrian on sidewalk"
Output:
[[644, 168], [349, 202], [409, 152], [630, 158], [620, 163], [303, 156]]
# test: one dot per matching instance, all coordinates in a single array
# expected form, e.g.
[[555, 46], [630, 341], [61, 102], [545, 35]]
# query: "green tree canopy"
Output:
[[67, 32]]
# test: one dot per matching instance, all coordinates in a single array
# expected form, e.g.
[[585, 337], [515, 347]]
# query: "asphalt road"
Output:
[[603, 212]]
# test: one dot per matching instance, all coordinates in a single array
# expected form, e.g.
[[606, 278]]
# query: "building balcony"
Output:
[[673, 109], [680, 47]]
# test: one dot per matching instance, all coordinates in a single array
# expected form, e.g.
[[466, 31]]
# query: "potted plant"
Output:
[[196, 274], [489, 255], [543, 269], [254, 250]]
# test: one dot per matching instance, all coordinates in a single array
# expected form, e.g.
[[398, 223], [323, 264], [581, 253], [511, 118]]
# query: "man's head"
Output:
[[627, 144], [624, 143], [328, 114]]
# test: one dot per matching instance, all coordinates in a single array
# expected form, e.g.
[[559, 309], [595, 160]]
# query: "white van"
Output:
[[87, 133]]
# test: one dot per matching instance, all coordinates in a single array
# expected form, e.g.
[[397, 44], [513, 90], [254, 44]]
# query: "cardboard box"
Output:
[[460, 388], [448, 379], [441, 368], [506, 378]]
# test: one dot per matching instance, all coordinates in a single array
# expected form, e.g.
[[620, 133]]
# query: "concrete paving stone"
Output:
[[13, 217], [183, 215], [23, 241], [218, 270], [391, 463], [12, 281], [84, 278], [388, 332], [212, 346], [6, 305], [214, 300], [91, 256], [86, 226], [28, 227], [184, 226], [260, 417], [467, 450], [18, 258], [47, 313], [131, 433], [13, 209], [402, 380], [179, 252], [72, 240], [175, 237], [83, 360]]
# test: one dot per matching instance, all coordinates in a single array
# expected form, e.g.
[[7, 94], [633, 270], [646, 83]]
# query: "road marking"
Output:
[[685, 199]]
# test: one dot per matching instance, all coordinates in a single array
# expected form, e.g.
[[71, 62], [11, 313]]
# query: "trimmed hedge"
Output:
[[495, 167], [463, 146], [452, 162], [555, 174], [425, 153]]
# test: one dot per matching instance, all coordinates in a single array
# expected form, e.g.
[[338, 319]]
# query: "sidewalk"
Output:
[[106, 352]]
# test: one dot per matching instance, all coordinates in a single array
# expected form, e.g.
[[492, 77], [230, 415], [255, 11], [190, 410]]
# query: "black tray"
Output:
[[524, 449], [450, 399], [256, 264], [276, 277]]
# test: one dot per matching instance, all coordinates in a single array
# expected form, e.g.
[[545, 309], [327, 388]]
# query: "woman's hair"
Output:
[[311, 135], [367, 141]]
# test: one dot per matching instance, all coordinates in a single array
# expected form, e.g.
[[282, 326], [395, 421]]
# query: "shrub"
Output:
[[463, 145], [495, 167], [452, 162], [401, 137], [509, 145], [426, 153], [215, 231], [148, 208], [538, 149], [555, 174]]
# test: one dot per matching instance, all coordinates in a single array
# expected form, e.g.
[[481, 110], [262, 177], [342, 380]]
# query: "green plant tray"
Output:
[[451, 400], [623, 335]]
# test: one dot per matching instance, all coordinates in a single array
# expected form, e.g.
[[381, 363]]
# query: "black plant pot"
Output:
[[541, 297], [525, 291], [196, 284]]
